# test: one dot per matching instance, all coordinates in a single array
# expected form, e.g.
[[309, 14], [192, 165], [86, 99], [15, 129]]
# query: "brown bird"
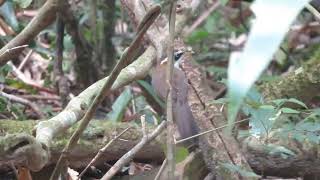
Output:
[[182, 114]]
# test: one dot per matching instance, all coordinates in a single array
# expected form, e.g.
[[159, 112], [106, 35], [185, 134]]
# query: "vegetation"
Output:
[[114, 89]]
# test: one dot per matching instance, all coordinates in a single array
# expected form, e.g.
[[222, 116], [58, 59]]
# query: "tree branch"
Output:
[[44, 17], [130, 154]]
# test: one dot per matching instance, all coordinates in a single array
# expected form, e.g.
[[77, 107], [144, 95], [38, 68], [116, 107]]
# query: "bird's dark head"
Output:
[[178, 54]]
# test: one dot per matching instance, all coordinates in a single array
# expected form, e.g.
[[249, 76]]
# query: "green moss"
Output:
[[302, 84], [13, 127]]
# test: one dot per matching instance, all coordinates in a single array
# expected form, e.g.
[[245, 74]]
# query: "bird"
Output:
[[182, 115]]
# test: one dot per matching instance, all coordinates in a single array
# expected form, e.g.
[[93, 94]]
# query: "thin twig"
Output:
[[125, 159], [314, 11], [60, 79], [206, 132], [26, 80], [25, 59], [23, 101], [164, 163], [133, 101], [102, 151], [125, 59], [170, 127], [41, 97], [202, 18], [14, 48], [143, 125]]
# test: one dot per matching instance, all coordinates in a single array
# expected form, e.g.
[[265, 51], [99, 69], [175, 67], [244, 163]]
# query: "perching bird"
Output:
[[182, 115]]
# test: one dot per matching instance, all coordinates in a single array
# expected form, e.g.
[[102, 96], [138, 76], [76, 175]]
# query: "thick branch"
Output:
[[47, 130]]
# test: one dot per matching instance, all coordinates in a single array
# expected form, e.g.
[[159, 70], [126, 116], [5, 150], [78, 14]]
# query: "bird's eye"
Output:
[[177, 55]]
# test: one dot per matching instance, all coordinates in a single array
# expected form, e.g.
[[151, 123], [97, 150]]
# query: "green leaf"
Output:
[[5, 69], [67, 43], [308, 126], [48, 110], [211, 23], [276, 150], [299, 137], [289, 111], [3, 104], [215, 69], [23, 3], [241, 171], [267, 107], [120, 105], [20, 85], [296, 101], [181, 154], [280, 102], [263, 41], [198, 35], [8, 13], [2, 78], [223, 2], [151, 91], [260, 120], [313, 137], [17, 109], [142, 107]]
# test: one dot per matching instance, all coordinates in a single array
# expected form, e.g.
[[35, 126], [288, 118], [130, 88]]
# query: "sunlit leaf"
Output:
[[267, 32], [20, 85]]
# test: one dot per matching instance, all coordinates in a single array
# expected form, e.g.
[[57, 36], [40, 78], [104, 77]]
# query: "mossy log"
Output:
[[302, 84], [16, 140]]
